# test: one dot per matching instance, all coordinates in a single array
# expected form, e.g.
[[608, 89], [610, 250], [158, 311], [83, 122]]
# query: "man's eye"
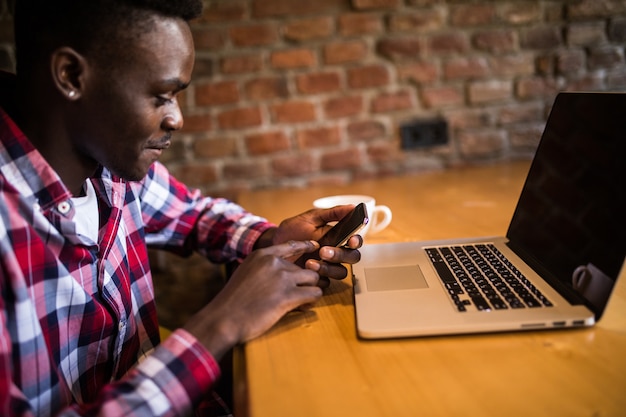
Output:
[[163, 100]]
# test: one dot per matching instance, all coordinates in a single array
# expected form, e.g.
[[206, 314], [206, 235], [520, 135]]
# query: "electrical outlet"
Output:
[[424, 133]]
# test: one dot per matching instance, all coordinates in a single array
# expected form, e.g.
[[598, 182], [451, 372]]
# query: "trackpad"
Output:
[[390, 278]]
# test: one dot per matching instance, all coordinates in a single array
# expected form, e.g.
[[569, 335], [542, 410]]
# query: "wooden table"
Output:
[[313, 364]]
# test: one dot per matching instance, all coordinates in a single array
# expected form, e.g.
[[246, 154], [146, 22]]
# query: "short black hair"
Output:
[[89, 26]]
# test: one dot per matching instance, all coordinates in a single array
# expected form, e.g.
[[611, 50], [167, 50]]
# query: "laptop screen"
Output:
[[570, 221]]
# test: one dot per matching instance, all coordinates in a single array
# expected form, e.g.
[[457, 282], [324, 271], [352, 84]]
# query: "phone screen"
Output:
[[340, 233]]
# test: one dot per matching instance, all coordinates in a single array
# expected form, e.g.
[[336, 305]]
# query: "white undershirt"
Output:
[[86, 217]]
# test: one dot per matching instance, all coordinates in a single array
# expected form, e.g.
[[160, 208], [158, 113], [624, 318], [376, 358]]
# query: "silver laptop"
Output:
[[557, 264]]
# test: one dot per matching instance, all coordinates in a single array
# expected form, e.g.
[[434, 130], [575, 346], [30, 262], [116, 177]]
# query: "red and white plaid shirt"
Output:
[[78, 327]]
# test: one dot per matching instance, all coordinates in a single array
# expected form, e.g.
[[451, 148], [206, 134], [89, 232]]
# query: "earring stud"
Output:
[[71, 94]]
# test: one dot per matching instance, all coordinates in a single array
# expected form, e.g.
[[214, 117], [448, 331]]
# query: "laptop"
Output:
[[556, 266]]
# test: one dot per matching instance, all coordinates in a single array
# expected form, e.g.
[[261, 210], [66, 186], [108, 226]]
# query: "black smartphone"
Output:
[[340, 233]]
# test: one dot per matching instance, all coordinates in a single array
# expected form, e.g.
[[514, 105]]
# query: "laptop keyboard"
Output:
[[480, 275]]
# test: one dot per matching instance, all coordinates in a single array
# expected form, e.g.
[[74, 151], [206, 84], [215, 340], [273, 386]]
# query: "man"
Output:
[[82, 124]]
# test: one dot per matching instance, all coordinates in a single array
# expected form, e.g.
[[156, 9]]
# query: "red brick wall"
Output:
[[290, 93]]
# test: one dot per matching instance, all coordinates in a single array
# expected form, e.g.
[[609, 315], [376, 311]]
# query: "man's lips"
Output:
[[160, 146]]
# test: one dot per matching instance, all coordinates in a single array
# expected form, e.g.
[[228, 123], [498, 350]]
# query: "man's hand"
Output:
[[264, 288], [312, 225]]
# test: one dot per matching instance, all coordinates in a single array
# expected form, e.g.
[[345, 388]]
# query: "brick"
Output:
[[424, 3], [342, 159], [541, 37], [553, 12], [266, 142], [536, 87], [522, 63], [196, 174], [368, 76], [617, 30], [318, 137], [545, 64], [375, 4], [521, 13], [469, 118], [203, 67], [286, 8], [586, 9], [342, 52], [293, 165], [422, 21], [442, 96], [418, 72], [521, 112], [293, 58], [366, 130], [616, 80], [571, 61], [240, 118], [266, 88], [526, 137], [586, 34], [174, 153], [448, 43], [479, 14], [586, 82], [219, 147], [496, 41], [400, 48], [606, 57], [197, 123], [482, 143], [360, 24], [490, 91], [211, 39], [308, 29], [384, 152], [293, 112], [466, 68], [246, 170], [387, 102], [320, 82], [343, 106], [223, 92], [253, 35], [219, 11], [241, 64]]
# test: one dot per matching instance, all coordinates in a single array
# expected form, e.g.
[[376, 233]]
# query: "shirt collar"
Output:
[[25, 169]]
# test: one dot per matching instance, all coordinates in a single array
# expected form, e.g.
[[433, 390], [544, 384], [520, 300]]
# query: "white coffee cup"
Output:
[[379, 215]]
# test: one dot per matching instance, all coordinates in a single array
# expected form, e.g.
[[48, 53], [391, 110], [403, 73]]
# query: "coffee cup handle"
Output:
[[378, 224]]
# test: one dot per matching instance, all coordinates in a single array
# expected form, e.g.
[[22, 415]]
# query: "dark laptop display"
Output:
[[570, 221]]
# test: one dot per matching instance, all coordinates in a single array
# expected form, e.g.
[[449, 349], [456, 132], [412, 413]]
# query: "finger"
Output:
[[334, 214], [292, 248], [307, 277], [355, 242], [339, 255], [307, 295], [334, 271]]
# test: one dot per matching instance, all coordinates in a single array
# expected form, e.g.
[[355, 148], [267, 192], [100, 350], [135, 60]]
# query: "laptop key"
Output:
[[486, 276]]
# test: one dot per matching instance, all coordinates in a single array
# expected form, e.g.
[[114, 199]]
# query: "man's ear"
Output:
[[69, 69]]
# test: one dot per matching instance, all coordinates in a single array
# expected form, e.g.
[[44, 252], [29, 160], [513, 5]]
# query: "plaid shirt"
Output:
[[78, 327]]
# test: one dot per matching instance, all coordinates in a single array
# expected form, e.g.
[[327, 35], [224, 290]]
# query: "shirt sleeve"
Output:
[[181, 220], [171, 381]]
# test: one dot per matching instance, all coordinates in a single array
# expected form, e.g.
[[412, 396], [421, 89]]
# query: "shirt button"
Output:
[[121, 326], [64, 207]]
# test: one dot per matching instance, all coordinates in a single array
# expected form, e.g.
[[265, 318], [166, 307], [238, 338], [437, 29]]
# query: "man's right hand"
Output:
[[264, 288]]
